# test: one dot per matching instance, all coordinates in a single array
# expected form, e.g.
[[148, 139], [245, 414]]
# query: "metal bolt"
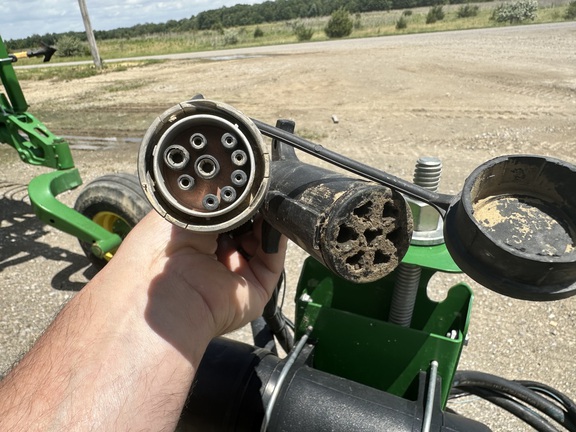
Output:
[[210, 202], [228, 194], [198, 141], [428, 225], [239, 157], [239, 178], [185, 182], [228, 140], [428, 172], [427, 175]]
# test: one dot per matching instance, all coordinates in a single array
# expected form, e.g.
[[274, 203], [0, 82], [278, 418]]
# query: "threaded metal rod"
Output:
[[427, 175], [404, 296]]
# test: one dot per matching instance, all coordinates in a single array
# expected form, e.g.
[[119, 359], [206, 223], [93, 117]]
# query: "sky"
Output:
[[22, 18]]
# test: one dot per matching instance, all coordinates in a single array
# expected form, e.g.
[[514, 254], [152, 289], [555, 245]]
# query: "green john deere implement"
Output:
[[99, 230]]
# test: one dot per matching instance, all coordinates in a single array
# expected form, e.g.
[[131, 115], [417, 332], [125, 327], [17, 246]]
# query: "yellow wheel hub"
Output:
[[114, 223]]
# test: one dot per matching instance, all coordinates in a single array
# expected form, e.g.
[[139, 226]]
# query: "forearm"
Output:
[[123, 353], [104, 364]]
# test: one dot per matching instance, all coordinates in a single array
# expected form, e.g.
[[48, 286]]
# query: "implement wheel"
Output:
[[116, 203]]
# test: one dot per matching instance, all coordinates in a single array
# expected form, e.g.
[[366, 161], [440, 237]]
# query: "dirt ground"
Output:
[[465, 97]]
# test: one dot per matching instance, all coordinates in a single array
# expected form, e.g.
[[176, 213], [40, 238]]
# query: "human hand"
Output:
[[197, 283]]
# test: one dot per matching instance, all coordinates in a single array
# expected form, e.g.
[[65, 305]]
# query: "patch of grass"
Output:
[[57, 73], [76, 72], [311, 135], [124, 85]]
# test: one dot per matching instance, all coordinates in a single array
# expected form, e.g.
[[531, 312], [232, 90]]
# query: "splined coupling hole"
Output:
[[176, 157], [207, 167]]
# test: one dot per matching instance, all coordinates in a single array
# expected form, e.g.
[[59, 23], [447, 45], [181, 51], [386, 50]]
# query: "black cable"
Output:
[[439, 201], [514, 407], [472, 379], [284, 289], [287, 320]]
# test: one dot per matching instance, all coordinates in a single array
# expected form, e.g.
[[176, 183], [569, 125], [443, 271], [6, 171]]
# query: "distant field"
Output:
[[365, 25]]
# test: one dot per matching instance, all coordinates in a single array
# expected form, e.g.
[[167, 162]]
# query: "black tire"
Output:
[[114, 201]]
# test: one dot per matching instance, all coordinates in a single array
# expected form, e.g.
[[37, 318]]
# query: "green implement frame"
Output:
[[355, 339], [36, 145]]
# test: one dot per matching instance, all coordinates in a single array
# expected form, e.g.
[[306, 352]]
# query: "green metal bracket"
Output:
[[43, 191], [431, 257], [35, 144], [355, 340]]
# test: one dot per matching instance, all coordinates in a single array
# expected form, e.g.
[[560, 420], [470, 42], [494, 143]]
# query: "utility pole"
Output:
[[90, 35]]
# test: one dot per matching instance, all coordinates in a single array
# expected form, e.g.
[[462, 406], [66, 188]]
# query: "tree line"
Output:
[[234, 16]]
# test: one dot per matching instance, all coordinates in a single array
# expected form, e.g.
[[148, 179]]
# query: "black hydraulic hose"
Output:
[[440, 201], [552, 393], [519, 410], [468, 379], [263, 336], [274, 318], [273, 323]]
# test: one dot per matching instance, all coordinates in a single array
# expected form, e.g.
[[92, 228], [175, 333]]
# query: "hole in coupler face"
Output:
[[363, 210], [346, 234]]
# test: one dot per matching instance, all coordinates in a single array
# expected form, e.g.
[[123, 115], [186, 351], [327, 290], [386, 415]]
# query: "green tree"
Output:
[[571, 11], [339, 25], [313, 10]]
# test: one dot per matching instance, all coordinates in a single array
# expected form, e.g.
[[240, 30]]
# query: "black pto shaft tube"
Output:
[[360, 230]]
